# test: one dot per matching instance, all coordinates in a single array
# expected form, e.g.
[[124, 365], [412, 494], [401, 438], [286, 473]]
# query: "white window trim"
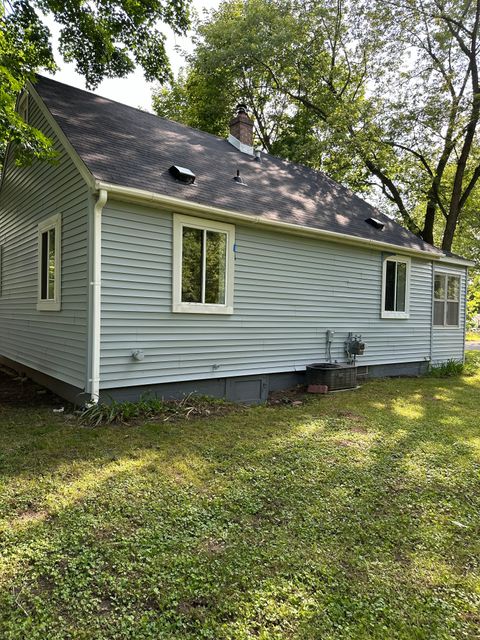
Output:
[[23, 106], [452, 274], [402, 315], [180, 221], [54, 222]]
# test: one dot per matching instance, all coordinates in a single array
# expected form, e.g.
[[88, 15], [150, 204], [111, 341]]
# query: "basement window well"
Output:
[[203, 265], [395, 287], [49, 264]]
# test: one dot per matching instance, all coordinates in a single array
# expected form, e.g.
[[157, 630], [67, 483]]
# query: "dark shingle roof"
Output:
[[129, 147]]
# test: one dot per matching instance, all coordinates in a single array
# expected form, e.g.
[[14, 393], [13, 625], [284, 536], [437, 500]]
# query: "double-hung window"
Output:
[[49, 264], [446, 300], [395, 287], [203, 265]]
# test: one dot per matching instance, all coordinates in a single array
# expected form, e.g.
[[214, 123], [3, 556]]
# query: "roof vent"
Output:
[[239, 180], [376, 224], [182, 174]]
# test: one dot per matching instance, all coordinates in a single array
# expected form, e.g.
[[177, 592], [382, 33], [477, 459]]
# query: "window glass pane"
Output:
[[51, 264], [390, 286], [192, 264], [438, 313], [439, 287], [215, 265], [452, 313], [401, 285], [453, 288], [44, 267]]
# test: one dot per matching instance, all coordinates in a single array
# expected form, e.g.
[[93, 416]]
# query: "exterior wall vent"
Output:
[[375, 223], [181, 174]]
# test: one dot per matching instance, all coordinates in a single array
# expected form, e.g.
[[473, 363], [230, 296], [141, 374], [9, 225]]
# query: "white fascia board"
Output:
[[77, 161], [131, 194], [463, 262]]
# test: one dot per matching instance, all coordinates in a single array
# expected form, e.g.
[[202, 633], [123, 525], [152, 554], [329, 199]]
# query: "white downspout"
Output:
[[95, 285]]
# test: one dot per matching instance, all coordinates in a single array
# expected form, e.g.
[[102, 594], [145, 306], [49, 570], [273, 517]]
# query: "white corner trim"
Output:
[[95, 250], [179, 222], [244, 148], [55, 304], [398, 315]]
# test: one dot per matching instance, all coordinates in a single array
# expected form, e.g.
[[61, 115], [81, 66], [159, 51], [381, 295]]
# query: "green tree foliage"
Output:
[[473, 298], [466, 241], [104, 38], [382, 95], [24, 47]]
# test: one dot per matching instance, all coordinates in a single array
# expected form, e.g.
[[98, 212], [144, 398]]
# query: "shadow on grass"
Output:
[[354, 516]]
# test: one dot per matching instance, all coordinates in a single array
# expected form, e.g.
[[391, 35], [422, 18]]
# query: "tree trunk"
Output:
[[427, 231], [456, 199]]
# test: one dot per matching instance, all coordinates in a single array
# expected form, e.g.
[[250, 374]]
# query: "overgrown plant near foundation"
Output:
[[453, 368], [148, 406], [447, 369]]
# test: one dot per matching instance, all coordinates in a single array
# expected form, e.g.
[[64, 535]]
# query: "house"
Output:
[[156, 257]]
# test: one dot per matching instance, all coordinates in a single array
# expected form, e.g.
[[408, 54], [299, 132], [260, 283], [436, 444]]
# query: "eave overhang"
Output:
[[130, 194]]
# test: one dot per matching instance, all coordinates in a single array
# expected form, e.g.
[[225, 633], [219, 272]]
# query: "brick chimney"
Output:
[[241, 131]]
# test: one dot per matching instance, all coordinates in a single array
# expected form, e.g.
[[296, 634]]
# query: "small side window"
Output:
[[49, 264], [446, 300], [202, 266], [395, 287]]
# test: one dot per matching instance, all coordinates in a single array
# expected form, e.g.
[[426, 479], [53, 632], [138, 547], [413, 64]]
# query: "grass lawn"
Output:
[[351, 516], [472, 336]]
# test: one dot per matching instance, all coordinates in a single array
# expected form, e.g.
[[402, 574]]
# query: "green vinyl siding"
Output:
[[53, 342]]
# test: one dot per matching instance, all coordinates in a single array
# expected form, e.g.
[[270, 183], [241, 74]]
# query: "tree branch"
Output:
[[456, 198], [395, 196], [470, 186], [415, 153]]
